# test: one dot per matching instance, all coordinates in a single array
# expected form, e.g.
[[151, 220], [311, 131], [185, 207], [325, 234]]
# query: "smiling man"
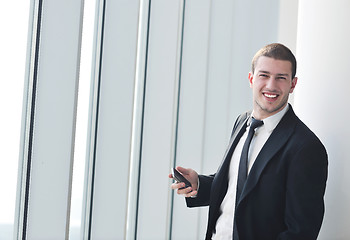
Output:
[[272, 179]]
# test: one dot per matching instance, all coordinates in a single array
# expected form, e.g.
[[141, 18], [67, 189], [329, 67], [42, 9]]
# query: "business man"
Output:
[[271, 182]]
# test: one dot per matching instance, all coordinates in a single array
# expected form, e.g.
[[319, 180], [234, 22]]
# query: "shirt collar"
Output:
[[270, 123]]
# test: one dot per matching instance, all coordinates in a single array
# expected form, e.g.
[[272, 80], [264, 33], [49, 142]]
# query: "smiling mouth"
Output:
[[270, 96]]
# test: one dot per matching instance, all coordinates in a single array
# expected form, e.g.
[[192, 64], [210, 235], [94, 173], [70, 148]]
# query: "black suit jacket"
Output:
[[283, 194]]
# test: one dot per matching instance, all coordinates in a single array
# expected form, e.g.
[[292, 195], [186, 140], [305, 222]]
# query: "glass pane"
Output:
[[13, 43], [82, 120]]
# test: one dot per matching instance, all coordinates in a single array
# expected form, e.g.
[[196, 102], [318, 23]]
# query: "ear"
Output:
[[294, 83], [250, 77]]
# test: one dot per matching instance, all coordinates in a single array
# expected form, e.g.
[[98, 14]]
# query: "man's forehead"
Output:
[[273, 66]]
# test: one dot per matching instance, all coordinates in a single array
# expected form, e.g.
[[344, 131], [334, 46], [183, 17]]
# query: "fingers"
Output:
[[186, 192], [177, 185]]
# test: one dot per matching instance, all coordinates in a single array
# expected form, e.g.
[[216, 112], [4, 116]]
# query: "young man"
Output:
[[272, 185]]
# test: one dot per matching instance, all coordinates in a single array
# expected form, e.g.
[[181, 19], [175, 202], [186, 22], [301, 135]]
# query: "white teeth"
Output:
[[270, 95]]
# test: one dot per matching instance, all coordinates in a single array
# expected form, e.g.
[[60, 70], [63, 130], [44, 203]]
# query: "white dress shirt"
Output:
[[224, 224]]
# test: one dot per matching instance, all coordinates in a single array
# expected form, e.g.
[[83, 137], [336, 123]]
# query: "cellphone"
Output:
[[180, 178]]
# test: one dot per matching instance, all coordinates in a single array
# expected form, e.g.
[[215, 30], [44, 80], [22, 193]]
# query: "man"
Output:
[[275, 189]]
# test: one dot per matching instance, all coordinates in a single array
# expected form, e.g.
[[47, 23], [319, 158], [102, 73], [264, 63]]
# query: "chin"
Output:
[[274, 109], [268, 109]]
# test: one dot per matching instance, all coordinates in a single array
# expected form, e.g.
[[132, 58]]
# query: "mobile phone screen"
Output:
[[180, 178]]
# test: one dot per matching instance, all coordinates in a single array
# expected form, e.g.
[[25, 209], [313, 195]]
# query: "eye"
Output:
[[263, 76], [281, 78]]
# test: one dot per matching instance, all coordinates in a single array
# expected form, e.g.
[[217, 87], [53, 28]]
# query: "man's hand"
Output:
[[192, 177]]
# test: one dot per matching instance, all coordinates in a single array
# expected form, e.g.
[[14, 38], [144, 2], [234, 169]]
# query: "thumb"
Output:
[[184, 171]]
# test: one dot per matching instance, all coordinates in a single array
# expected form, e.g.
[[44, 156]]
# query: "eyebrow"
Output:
[[278, 74]]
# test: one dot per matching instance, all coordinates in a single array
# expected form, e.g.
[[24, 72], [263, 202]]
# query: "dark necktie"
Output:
[[243, 163]]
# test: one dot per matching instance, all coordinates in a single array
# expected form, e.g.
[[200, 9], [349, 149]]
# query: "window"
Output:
[[82, 120]]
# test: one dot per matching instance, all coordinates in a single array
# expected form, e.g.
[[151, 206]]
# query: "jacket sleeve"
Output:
[[203, 196], [306, 182]]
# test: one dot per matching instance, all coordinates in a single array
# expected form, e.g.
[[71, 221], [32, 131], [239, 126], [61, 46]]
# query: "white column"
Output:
[[322, 102], [44, 186]]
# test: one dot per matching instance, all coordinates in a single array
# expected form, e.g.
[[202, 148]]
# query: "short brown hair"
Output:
[[277, 51]]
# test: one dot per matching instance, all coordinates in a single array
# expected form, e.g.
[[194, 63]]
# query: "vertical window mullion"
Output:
[[28, 122]]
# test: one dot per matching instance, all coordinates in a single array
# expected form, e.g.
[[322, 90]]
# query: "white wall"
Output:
[[321, 99]]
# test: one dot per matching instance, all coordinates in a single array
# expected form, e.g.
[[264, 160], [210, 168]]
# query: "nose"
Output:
[[271, 83]]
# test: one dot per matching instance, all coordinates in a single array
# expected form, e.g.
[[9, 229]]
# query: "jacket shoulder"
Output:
[[241, 118]]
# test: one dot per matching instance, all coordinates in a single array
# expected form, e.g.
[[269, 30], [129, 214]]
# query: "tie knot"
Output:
[[256, 123]]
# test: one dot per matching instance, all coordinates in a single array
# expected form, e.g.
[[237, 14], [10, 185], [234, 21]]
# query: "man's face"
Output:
[[271, 83]]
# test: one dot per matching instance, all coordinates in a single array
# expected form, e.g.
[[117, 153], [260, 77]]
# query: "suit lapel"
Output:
[[275, 142]]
